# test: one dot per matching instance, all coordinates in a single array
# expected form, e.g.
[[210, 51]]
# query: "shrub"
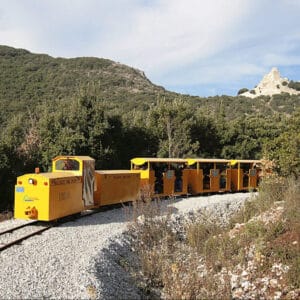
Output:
[[294, 85], [243, 90], [197, 261]]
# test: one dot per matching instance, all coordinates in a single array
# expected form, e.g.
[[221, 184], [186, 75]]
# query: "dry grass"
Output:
[[6, 216], [196, 262]]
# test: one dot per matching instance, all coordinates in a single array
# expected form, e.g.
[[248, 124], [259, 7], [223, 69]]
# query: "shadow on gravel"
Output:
[[112, 271]]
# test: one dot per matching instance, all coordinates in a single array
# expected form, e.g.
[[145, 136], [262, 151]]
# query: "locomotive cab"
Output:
[[79, 166]]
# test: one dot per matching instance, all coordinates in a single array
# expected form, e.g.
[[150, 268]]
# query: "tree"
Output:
[[11, 136], [243, 90], [171, 122], [285, 149], [244, 138], [205, 131]]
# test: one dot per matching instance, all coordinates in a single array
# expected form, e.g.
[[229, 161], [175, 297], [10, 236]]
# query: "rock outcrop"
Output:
[[272, 83]]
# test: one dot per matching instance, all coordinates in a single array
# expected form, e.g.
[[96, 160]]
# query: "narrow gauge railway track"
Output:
[[17, 234], [12, 236], [16, 227]]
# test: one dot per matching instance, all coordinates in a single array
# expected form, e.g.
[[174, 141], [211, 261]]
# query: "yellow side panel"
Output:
[[145, 174], [253, 178], [116, 187], [195, 181], [168, 180], [152, 178], [65, 199], [237, 180], [185, 175], [234, 180], [228, 180], [214, 181]]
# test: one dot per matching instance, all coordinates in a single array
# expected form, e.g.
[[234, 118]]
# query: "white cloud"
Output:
[[176, 33]]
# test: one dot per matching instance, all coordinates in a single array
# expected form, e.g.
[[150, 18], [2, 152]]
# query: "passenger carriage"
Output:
[[208, 175], [163, 176], [245, 174]]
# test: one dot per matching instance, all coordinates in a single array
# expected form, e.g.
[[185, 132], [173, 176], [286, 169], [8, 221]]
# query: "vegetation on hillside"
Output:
[[255, 255], [90, 106], [27, 79], [294, 85]]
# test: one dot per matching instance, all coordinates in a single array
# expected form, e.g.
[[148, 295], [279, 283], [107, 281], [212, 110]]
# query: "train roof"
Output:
[[245, 161], [113, 172], [141, 160], [79, 157], [49, 175], [191, 161]]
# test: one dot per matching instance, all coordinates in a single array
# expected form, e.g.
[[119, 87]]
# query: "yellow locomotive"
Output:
[[73, 186]]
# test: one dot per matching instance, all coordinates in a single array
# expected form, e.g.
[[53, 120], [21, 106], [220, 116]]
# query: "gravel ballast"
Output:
[[82, 259]]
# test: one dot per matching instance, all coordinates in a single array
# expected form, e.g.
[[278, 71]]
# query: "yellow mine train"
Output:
[[74, 185]]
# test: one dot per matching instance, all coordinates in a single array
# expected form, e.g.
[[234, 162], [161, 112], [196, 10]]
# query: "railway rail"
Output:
[[15, 235], [11, 236], [9, 230]]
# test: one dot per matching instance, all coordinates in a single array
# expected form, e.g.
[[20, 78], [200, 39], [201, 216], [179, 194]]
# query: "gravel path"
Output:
[[81, 259]]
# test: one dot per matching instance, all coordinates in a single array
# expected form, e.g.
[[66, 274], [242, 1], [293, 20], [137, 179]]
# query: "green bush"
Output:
[[243, 90], [294, 85]]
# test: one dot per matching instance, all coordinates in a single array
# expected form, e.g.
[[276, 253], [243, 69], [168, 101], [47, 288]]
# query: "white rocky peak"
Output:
[[273, 76], [272, 83]]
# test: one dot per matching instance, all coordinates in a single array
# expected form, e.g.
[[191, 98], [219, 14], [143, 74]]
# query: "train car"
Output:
[[74, 185], [245, 174], [208, 175], [71, 187], [163, 176]]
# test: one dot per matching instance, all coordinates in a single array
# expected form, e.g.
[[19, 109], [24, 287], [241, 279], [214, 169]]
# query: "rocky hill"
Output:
[[271, 84], [28, 79], [32, 77]]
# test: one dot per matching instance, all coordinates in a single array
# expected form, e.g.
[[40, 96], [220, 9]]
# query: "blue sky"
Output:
[[196, 47]]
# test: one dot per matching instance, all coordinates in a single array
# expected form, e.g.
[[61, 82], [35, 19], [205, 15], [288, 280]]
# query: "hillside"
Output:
[[30, 77], [27, 79]]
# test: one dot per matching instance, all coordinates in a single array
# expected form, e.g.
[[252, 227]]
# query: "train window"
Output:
[[67, 165], [141, 167], [221, 166], [193, 166], [206, 167]]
